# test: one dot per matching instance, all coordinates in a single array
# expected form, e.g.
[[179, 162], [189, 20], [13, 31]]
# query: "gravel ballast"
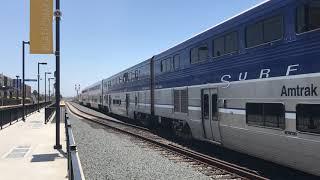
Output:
[[106, 154]]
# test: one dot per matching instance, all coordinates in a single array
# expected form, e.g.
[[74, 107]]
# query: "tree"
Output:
[[35, 92]]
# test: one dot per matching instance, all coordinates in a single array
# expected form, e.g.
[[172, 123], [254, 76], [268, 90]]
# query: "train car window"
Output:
[[194, 55], [266, 114], [308, 118], [135, 100], [125, 77], [176, 61], [199, 54], [301, 25], [163, 65], [203, 52], [308, 17], [218, 46], [180, 101], [167, 69], [231, 42], [254, 112], [214, 106], [205, 106], [136, 74], [314, 16], [225, 44], [139, 74], [176, 99], [171, 64], [254, 34], [273, 29], [264, 31], [274, 115], [184, 101], [131, 76]]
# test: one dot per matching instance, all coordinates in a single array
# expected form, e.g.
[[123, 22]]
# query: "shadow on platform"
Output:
[[45, 157], [8, 124]]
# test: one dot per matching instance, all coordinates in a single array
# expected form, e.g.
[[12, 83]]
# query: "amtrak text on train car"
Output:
[[300, 91]]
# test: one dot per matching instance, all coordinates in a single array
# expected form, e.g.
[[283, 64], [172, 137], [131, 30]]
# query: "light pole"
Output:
[[39, 63], [23, 85], [49, 88], [17, 95], [2, 96], [57, 14], [45, 85]]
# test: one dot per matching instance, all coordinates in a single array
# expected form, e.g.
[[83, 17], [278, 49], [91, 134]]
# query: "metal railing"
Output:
[[11, 102], [74, 166], [49, 111], [14, 113]]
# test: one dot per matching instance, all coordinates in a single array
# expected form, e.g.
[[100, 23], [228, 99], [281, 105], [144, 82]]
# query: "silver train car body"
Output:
[[267, 116]]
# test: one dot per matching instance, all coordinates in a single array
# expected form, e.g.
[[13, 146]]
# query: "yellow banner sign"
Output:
[[41, 15]]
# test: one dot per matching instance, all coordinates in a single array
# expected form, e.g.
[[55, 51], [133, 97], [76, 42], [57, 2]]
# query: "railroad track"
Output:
[[216, 167]]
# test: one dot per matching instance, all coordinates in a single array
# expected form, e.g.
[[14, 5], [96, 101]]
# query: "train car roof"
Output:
[[252, 13], [92, 85], [132, 68], [245, 16]]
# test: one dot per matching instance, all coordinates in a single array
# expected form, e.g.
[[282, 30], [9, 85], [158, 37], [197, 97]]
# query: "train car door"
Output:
[[127, 103], [110, 101], [210, 118]]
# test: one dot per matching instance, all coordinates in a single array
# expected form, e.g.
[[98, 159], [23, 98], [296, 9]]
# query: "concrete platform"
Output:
[[26, 151]]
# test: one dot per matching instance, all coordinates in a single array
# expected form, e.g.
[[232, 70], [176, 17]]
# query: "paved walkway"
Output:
[[26, 151]]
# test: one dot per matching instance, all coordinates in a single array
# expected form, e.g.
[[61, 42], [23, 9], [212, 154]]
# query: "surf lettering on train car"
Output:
[[264, 73]]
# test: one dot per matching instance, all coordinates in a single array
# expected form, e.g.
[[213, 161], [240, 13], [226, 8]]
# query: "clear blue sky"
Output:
[[102, 37]]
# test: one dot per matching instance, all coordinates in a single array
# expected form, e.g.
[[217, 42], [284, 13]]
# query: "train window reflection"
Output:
[[214, 99], [272, 29], [264, 31], [203, 53], [180, 101], [176, 60], [254, 34], [308, 118], [199, 54], [205, 106], [231, 42], [176, 100], [266, 114], [308, 17], [218, 46]]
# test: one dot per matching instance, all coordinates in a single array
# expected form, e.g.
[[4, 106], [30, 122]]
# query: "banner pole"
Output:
[[57, 74]]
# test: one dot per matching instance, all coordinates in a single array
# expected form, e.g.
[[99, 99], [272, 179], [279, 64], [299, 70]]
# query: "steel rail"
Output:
[[229, 167], [119, 122]]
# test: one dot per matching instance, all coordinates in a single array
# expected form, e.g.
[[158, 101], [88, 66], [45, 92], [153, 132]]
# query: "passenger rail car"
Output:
[[250, 84], [92, 96]]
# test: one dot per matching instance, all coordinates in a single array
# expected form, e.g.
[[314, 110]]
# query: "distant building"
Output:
[[17, 84], [10, 87], [28, 91], [6, 84], [1, 85]]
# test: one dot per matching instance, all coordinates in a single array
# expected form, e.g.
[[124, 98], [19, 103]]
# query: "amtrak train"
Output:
[[250, 84]]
